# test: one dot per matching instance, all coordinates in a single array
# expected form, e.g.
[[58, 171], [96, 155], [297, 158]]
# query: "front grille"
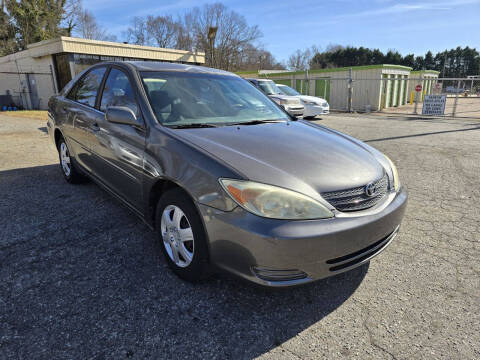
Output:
[[356, 257], [356, 199], [293, 102]]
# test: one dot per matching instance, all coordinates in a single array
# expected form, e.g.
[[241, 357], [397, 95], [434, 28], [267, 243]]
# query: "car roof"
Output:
[[253, 79], [166, 66]]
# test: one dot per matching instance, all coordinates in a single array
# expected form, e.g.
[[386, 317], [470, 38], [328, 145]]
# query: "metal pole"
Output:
[[349, 104], [306, 82], [416, 95], [456, 99]]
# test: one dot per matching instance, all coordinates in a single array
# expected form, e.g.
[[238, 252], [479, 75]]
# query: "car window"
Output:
[[193, 98], [287, 90], [269, 87], [118, 92], [85, 90]]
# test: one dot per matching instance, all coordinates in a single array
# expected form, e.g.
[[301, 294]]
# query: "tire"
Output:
[[67, 165], [177, 220]]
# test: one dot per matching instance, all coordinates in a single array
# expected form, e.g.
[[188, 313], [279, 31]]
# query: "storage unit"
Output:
[[30, 77], [373, 87]]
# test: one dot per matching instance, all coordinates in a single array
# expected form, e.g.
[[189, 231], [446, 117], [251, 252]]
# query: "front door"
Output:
[[119, 149]]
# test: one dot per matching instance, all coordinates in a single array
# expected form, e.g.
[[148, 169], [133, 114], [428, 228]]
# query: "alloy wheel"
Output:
[[177, 236], [65, 159]]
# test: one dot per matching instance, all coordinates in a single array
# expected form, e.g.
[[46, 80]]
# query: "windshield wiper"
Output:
[[256, 122], [191, 126]]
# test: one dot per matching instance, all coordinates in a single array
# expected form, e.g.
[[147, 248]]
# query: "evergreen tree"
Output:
[[8, 43], [36, 20]]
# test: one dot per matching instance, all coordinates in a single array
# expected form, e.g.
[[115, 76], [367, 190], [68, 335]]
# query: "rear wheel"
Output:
[[182, 236], [67, 166]]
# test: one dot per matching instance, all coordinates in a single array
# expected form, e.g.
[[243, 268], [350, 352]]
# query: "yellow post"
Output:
[[412, 94]]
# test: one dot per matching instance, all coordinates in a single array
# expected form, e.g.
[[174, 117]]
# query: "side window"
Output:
[[118, 92], [85, 90]]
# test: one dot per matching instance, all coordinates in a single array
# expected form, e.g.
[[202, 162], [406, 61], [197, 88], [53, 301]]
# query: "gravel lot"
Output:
[[81, 277]]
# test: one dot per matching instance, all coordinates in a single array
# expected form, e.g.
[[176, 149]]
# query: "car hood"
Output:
[[316, 99], [294, 155]]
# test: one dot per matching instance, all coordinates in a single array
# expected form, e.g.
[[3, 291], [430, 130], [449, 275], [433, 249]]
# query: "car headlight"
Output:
[[282, 102], [274, 202], [395, 182]]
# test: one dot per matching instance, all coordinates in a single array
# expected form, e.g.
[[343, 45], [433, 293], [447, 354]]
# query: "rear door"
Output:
[[81, 115], [118, 148]]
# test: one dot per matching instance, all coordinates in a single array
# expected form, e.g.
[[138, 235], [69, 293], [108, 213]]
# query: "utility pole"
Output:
[[350, 91], [212, 33], [306, 82]]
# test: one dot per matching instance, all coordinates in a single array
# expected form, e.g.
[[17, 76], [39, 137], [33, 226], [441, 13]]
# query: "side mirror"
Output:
[[121, 115]]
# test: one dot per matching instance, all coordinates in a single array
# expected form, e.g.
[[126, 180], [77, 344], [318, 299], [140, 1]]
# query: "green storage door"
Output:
[[322, 88], [298, 85]]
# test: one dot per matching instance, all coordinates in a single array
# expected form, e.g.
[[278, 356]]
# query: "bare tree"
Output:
[[163, 30], [71, 10], [137, 32], [233, 36], [86, 26], [300, 59], [255, 58]]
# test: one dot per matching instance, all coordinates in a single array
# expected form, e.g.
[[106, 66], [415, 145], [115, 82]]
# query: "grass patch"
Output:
[[31, 114]]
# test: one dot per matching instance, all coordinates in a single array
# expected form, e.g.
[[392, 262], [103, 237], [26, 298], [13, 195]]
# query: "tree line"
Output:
[[459, 62]]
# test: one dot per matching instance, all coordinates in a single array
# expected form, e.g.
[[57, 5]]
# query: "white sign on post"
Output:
[[434, 104]]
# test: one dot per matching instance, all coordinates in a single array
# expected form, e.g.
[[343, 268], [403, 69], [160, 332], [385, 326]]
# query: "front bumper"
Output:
[[254, 248], [295, 110], [314, 110]]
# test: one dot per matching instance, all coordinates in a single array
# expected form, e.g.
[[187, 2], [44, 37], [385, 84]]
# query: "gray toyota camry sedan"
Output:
[[227, 178]]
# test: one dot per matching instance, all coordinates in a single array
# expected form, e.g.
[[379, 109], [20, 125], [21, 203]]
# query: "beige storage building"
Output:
[[374, 87], [30, 77]]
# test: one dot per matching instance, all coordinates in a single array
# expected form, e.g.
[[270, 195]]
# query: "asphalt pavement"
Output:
[[81, 277]]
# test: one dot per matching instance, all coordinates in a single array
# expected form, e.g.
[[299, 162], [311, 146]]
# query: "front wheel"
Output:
[[182, 236]]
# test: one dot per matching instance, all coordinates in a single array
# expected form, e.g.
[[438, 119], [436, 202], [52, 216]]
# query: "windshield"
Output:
[[189, 98], [269, 87], [287, 90]]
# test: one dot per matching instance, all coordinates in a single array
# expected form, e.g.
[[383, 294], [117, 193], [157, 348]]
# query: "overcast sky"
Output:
[[407, 26]]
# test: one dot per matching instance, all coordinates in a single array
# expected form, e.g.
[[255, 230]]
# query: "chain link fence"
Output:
[[399, 94]]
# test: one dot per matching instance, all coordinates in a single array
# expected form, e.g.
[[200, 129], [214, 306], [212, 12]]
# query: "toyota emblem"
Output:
[[370, 190]]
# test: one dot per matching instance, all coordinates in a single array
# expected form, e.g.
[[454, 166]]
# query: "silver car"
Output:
[[224, 175], [292, 104]]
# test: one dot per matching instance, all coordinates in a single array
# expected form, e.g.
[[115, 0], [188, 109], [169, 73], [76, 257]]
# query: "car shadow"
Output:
[[43, 129], [83, 277]]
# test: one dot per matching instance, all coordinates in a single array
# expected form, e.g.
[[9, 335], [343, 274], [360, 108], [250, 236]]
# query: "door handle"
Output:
[[95, 127]]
